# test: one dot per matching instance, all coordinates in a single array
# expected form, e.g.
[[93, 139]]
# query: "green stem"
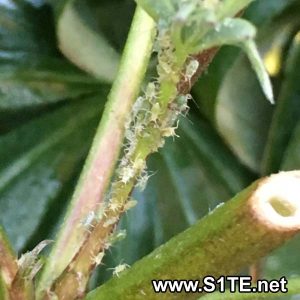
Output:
[[256, 221], [8, 263], [12, 285], [108, 141]]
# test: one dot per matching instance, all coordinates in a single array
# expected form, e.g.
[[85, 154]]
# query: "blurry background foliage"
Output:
[[50, 108]]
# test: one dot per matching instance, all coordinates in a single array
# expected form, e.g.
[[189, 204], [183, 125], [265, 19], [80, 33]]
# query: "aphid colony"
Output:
[[152, 119]]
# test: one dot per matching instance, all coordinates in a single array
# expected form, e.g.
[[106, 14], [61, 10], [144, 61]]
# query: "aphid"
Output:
[[191, 69], [155, 112], [142, 181], [120, 268], [180, 105], [139, 164], [170, 131], [130, 204], [138, 106], [117, 236], [123, 162], [139, 128], [111, 221], [89, 221], [129, 135], [114, 205], [150, 92], [128, 150], [127, 173], [97, 259], [102, 212]]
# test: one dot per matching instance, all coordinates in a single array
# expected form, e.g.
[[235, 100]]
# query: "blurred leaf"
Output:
[[284, 261], [206, 89], [82, 42], [35, 83], [286, 116], [32, 72], [291, 158], [113, 19], [37, 160], [242, 114], [24, 30], [260, 13]]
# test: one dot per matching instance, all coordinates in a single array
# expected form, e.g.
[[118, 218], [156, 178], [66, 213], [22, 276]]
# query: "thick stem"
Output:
[[8, 261], [104, 153], [256, 221], [12, 285]]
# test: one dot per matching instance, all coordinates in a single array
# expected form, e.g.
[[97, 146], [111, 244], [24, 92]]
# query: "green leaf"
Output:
[[291, 155], [240, 33], [82, 42], [262, 12], [159, 9], [229, 32], [257, 64], [37, 159], [286, 116], [242, 115], [32, 71], [37, 82]]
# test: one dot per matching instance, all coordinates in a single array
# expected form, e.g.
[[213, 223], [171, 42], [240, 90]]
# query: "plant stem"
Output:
[[146, 142], [256, 221], [108, 141], [8, 263], [12, 286]]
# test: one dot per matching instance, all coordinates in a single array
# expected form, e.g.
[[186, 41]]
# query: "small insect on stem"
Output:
[[155, 112], [120, 268], [180, 105], [126, 174], [191, 70], [114, 205], [89, 221], [129, 204], [97, 259], [151, 91], [110, 221], [170, 131], [143, 179], [117, 236]]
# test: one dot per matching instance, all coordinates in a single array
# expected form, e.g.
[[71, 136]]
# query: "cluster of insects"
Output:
[[155, 116]]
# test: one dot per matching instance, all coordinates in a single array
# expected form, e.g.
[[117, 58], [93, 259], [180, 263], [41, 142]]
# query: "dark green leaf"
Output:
[[262, 12], [37, 160], [242, 114], [286, 115], [32, 71], [82, 42]]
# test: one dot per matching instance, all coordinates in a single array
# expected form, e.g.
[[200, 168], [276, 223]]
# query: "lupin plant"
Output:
[[185, 35]]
